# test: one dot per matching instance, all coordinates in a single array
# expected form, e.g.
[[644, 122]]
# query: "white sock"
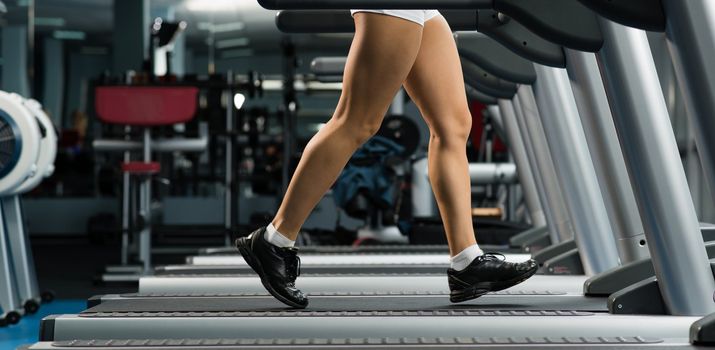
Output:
[[465, 257], [276, 238]]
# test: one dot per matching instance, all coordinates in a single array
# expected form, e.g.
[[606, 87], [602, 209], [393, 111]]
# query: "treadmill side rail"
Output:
[[702, 332], [553, 250], [642, 298], [618, 278], [567, 263]]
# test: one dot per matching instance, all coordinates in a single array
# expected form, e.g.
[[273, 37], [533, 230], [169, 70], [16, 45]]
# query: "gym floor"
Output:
[[25, 332], [67, 268]]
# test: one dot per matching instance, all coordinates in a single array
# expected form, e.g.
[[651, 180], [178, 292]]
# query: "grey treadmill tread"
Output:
[[324, 269], [358, 259], [367, 305], [366, 250], [335, 283], [536, 343], [399, 283], [332, 249], [325, 294]]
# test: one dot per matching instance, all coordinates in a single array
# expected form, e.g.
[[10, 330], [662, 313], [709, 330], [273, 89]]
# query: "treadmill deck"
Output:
[[534, 343], [362, 305]]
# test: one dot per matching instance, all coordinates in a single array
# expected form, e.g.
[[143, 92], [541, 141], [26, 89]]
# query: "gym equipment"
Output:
[[610, 167], [564, 257], [571, 158], [477, 48], [538, 343], [666, 329], [688, 29], [348, 259], [346, 249], [23, 262], [645, 134], [162, 35], [361, 282], [347, 318], [29, 144], [143, 106]]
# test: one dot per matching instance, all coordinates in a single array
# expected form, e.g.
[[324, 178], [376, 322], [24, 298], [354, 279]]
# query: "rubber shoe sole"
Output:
[[479, 289], [243, 247]]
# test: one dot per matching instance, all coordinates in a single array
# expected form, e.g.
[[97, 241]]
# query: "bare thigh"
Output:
[[436, 84], [381, 56]]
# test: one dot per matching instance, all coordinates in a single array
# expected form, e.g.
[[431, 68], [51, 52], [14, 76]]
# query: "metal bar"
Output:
[[126, 187], [492, 173], [653, 162], [690, 31], [574, 169], [21, 252], [530, 124], [523, 167], [145, 208], [602, 140], [159, 145], [330, 66], [8, 292], [228, 179]]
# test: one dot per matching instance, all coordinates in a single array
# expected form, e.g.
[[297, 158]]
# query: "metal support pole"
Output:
[[530, 125], [690, 31], [228, 179], [574, 169], [8, 293], [126, 216], [602, 140], [523, 168], [145, 209], [654, 167], [23, 263], [290, 108]]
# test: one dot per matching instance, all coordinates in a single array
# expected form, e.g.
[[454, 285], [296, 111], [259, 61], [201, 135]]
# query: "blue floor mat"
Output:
[[27, 330]]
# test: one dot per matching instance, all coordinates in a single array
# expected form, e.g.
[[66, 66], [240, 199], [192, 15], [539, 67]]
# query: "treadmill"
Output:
[[474, 325], [561, 262]]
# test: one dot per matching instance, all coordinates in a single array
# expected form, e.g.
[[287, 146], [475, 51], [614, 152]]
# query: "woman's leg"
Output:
[[436, 85], [382, 53]]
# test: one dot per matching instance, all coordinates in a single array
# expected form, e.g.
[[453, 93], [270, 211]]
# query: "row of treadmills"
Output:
[[399, 299], [648, 281]]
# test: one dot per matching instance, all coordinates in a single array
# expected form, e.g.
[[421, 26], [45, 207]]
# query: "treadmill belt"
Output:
[[333, 294], [324, 269], [368, 305], [333, 249]]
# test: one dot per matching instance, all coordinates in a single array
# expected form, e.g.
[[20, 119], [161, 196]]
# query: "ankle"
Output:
[[465, 257], [278, 239]]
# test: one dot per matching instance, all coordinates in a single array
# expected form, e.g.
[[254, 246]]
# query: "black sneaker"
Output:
[[487, 273], [277, 267]]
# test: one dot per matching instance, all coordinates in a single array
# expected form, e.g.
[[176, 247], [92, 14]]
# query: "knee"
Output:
[[359, 131], [452, 130], [364, 131]]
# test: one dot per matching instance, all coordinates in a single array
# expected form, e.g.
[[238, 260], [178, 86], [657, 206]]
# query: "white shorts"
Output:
[[417, 16]]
